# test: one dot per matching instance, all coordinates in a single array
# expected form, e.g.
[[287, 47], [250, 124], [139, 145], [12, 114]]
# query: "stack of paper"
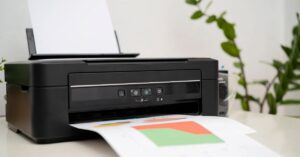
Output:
[[178, 136]]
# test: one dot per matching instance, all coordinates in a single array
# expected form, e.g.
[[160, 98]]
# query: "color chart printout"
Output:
[[177, 133], [178, 136]]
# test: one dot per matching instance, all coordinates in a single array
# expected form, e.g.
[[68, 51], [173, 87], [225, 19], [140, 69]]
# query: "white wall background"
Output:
[[162, 28], [14, 18]]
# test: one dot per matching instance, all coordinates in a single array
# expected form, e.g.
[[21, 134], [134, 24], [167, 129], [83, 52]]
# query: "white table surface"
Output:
[[280, 134]]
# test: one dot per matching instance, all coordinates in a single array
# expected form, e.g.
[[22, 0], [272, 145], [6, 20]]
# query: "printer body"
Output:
[[45, 96]]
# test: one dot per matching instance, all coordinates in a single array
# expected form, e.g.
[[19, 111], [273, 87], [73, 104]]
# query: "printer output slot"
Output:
[[181, 108]]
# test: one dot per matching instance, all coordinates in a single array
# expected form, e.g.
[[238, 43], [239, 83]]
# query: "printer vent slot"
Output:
[[135, 61]]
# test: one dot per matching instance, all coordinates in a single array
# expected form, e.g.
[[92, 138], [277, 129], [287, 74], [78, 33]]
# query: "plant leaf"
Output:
[[239, 96], [238, 64], [295, 30], [230, 48], [245, 105], [197, 14], [283, 81], [278, 92], [287, 50], [272, 104], [289, 69], [220, 22], [277, 64], [229, 30], [211, 19], [252, 98], [193, 2], [242, 82], [290, 102], [294, 88], [296, 77]]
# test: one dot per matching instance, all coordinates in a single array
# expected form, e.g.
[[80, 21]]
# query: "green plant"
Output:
[[284, 81], [287, 77], [1, 67]]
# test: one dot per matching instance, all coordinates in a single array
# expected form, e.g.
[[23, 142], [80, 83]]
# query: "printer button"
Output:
[[159, 91], [159, 99], [121, 93], [146, 92], [135, 92]]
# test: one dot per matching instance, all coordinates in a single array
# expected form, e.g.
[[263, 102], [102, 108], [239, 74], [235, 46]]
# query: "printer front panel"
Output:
[[92, 92]]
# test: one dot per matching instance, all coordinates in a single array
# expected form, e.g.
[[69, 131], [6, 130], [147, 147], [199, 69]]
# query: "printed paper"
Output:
[[178, 136]]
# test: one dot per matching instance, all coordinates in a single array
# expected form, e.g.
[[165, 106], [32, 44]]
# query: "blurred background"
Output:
[[163, 28]]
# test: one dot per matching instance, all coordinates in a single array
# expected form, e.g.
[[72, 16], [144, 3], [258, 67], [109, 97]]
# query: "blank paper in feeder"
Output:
[[72, 27]]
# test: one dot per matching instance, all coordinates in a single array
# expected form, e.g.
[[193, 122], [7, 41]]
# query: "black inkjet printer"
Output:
[[44, 96]]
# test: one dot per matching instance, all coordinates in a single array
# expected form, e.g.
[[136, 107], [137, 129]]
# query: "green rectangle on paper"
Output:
[[169, 137]]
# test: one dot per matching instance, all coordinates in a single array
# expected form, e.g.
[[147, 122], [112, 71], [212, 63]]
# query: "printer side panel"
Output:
[[210, 97], [40, 113], [209, 90], [53, 127], [18, 106], [18, 109]]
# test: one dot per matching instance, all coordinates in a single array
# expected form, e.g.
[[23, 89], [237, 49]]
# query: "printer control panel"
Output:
[[143, 94]]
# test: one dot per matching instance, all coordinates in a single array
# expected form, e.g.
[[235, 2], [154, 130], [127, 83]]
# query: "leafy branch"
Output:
[[1, 67], [229, 46], [288, 73]]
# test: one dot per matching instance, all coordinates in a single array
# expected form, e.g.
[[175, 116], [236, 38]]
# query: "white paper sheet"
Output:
[[128, 141], [72, 27]]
